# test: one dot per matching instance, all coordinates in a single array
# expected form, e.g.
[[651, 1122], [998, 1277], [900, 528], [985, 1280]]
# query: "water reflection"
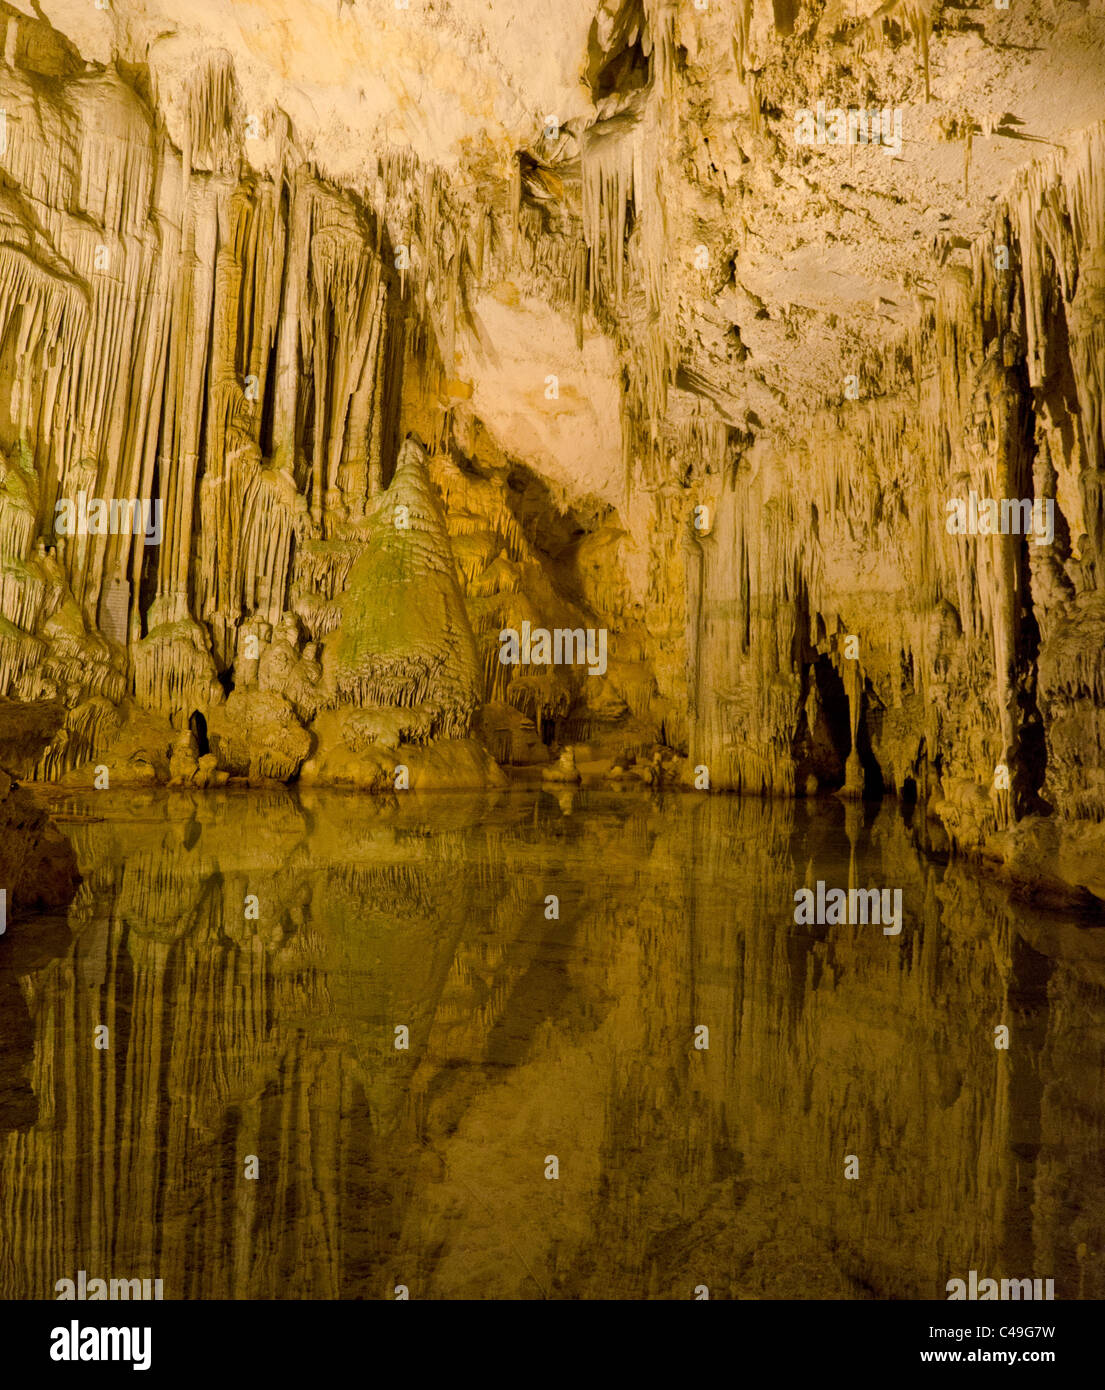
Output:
[[272, 1036]]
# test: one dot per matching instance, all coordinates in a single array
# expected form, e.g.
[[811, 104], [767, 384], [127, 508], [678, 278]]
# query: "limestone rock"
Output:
[[691, 371], [256, 735]]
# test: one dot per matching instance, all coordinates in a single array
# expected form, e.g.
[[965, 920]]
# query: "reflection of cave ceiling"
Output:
[[679, 1167]]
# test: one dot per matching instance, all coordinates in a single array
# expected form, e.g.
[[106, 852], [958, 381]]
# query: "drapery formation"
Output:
[[182, 334]]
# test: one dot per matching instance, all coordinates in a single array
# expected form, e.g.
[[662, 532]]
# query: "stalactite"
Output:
[[88, 729], [156, 357], [740, 35], [18, 652], [611, 154], [947, 414], [174, 670], [916, 16], [209, 99]]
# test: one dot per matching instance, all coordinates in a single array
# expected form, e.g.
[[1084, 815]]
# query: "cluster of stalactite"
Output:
[[213, 344], [226, 349], [970, 654]]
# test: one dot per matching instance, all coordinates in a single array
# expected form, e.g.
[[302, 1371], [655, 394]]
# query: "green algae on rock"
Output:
[[405, 639]]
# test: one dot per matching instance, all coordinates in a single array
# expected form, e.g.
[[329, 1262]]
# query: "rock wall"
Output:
[[37, 868], [703, 323], [972, 650]]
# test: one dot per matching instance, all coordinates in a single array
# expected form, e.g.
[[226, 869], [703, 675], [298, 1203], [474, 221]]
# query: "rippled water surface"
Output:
[[238, 1043]]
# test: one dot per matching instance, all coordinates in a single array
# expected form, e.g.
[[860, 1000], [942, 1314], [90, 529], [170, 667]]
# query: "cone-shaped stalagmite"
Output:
[[405, 638]]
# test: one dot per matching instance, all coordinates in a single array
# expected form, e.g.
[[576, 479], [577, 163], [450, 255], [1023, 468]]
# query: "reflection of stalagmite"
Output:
[[563, 770], [681, 1163]]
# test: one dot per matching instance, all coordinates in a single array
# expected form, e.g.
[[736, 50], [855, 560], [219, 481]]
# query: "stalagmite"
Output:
[[405, 638]]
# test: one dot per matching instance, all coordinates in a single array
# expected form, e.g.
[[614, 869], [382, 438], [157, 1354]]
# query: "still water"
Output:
[[247, 1127]]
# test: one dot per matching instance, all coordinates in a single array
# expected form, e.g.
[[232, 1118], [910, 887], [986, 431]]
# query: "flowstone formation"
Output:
[[405, 638], [765, 340], [403, 667]]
